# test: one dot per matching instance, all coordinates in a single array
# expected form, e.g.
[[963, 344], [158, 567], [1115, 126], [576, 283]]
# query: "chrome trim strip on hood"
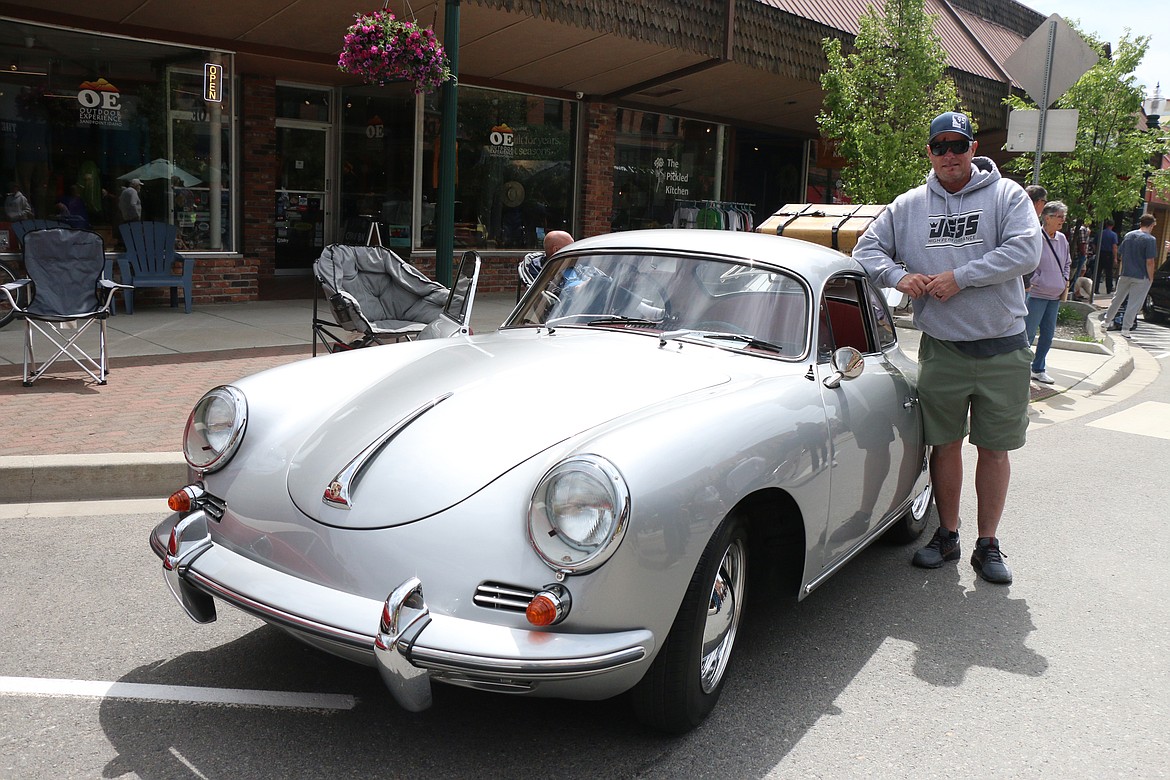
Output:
[[338, 492]]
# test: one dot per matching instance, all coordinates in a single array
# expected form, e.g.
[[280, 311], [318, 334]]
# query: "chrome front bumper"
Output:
[[408, 644]]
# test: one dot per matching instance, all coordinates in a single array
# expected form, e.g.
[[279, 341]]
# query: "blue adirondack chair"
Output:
[[150, 260], [20, 227]]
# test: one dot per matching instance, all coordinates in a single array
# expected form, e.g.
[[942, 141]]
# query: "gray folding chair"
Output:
[[374, 292], [64, 294]]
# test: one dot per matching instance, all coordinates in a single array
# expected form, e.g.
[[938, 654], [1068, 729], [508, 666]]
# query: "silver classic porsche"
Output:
[[567, 506]]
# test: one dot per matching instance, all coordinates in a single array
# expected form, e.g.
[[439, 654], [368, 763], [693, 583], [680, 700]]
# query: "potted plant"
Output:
[[381, 49]]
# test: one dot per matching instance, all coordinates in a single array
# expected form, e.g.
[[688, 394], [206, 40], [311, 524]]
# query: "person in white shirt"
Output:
[[129, 202]]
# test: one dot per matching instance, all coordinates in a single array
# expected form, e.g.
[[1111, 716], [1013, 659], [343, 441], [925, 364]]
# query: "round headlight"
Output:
[[578, 513], [215, 428]]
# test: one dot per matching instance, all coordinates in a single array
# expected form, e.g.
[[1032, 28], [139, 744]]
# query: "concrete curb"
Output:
[[1114, 370], [34, 479]]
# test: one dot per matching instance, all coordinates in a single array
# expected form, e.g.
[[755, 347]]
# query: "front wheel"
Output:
[[911, 525], [683, 684]]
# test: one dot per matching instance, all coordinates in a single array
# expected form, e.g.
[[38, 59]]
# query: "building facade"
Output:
[[582, 115]]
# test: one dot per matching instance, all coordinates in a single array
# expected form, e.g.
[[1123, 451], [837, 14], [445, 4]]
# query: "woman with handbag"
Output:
[[1049, 287]]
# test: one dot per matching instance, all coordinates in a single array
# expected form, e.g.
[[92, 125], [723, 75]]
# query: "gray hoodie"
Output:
[[987, 233]]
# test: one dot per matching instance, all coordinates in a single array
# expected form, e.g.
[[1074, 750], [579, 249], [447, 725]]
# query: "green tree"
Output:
[[880, 98], [1106, 171]]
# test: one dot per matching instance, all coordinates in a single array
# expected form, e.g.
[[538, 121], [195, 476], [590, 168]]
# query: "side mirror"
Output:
[[847, 364]]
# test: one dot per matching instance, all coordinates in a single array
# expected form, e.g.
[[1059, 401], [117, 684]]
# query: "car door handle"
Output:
[[910, 402]]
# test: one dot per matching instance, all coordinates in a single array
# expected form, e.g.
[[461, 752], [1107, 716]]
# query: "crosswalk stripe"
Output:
[[99, 689]]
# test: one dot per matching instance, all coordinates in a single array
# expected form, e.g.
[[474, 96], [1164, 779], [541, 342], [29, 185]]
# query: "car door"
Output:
[[874, 421], [455, 318]]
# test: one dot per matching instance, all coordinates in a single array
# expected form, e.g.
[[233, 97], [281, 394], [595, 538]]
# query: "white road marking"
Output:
[[99, 689], [1150, 418], [187, 764]]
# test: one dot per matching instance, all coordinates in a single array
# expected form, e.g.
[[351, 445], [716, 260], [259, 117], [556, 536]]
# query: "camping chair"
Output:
[[66, 291], [374, 292], [150, 261]]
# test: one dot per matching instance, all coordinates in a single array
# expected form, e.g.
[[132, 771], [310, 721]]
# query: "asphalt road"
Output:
[[885, 672]]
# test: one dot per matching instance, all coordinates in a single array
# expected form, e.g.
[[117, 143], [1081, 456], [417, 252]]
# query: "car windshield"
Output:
[[676, 296]]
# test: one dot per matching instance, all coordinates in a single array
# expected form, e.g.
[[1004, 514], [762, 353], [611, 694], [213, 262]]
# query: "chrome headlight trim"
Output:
[[578, 514], [215, 429]]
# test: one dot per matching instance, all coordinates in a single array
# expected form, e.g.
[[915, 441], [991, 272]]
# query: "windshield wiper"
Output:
[[748, 340], [617, 319]]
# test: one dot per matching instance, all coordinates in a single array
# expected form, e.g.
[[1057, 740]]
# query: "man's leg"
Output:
[[1136, 294], [992, 474], [946, 475], [1115, 305]]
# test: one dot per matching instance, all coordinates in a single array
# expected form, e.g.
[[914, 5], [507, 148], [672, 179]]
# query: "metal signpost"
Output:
[[1046, 65]]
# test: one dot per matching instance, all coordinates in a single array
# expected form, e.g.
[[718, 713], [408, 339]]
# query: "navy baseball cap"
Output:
[[951, 122]]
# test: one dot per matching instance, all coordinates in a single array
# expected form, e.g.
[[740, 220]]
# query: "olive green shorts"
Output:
[[992, 391]]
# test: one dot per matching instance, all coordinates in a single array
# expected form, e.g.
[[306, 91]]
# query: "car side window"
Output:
[[843, 322], [883, 322]]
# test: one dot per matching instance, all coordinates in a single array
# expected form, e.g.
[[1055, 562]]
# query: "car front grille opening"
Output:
[[497, 595]]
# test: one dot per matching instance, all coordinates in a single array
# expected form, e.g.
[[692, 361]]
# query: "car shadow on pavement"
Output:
[[792, 664]]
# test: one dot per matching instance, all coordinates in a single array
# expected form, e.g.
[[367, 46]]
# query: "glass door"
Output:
[[302, 194]]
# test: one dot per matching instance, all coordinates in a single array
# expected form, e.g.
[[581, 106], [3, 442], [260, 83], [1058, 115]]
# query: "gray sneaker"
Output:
[[942, 547], [988, 561]]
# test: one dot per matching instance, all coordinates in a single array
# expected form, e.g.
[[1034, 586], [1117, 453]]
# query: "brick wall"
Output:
[[597, 205]]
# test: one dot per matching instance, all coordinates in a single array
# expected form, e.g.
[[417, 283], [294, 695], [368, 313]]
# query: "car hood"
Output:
[[458, 417]]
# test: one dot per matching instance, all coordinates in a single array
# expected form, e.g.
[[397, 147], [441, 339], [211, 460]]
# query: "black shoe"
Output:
[[943, 546], [988, 561], [1114, 327]]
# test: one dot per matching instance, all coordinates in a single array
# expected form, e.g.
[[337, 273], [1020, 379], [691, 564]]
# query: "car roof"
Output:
[[809, 260]]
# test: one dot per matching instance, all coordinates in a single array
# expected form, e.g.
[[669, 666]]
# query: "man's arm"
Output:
[[876, 248], [1018, 251]]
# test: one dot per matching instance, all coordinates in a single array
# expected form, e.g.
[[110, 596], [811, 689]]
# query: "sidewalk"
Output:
[[66, 438]]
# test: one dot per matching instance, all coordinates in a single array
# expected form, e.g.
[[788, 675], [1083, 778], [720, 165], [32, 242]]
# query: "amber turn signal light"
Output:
[[541, 611], [549, 607], [180, 501]]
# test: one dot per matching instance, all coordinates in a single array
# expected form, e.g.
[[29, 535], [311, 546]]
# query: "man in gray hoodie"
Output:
[[958, 245]]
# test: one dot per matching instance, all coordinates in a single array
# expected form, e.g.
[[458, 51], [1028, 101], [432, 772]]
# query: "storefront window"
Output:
[[377, 166], [824, 174], [661, 164], [514, 177], [80, 118]]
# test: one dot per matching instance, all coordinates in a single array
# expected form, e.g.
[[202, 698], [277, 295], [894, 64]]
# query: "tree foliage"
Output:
[[880, 98], [1106, 171]]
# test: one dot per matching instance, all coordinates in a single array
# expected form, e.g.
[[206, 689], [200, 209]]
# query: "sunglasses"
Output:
[[939, 148]]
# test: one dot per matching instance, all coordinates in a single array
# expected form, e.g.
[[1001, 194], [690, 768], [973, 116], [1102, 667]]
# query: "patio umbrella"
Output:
[[161, 169]]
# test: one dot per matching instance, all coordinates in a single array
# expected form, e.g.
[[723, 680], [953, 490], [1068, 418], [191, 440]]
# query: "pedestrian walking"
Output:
[[1106, 259], [1080, 251], [1049, 287], [1139, 257], [965, 238]]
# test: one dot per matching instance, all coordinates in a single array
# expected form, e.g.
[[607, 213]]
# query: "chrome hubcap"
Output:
[[921, 503], [724, 608]]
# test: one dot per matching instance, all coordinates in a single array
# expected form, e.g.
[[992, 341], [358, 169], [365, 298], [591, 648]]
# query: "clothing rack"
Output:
[[716, 214]]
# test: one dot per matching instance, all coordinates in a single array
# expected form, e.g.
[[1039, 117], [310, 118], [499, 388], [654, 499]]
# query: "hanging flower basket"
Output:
[[381, 48]]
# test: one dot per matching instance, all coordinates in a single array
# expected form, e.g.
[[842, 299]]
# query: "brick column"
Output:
[[257, 177], [597, 208]]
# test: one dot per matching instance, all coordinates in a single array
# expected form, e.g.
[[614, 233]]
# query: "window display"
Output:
[[514, 169], [661, 164], [82, 121]]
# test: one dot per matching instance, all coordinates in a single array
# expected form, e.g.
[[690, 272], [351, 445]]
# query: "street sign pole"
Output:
[[1044, 100]]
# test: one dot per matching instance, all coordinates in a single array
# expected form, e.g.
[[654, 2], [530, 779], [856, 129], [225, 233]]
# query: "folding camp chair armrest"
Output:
[[12, 291], [110, 287]]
